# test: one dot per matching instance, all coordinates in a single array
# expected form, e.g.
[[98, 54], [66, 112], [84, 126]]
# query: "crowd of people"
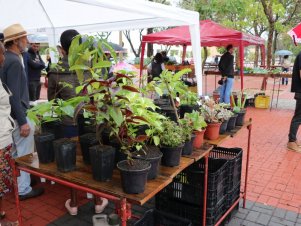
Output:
[[20, 72]]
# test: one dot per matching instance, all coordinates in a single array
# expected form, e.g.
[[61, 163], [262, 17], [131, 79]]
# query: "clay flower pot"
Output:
[[212, 131], [199, 139]]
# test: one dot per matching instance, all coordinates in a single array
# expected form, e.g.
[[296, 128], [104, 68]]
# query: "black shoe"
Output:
[[34, 193]]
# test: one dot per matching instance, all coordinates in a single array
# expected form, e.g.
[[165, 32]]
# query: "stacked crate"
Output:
[[184, 196]]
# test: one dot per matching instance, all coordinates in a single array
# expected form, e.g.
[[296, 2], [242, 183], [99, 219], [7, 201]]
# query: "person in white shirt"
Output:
[[285, 68]]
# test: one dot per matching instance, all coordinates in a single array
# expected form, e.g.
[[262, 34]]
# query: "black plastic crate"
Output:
[[234, 158], [191, 212], [188, 186], [158, 218], [233, 195]]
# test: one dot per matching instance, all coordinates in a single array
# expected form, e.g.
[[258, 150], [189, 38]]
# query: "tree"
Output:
[[127, 34], [279, 13]]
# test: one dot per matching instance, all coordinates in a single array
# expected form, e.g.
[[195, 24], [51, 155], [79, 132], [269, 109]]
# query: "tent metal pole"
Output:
[[141, 62], [241, 61], [184, 52]]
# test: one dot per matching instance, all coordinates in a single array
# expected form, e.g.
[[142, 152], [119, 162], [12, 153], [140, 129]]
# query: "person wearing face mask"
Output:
[[13, 77]]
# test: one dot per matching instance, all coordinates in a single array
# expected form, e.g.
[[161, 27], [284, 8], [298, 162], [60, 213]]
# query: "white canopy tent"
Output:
[[54, 16]]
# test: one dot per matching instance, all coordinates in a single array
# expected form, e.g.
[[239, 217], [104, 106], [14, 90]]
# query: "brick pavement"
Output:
[[274, 172]]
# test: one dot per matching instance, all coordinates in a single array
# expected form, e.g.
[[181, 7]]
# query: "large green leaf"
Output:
[[68, 110], [116, 115], [102, 64], [79, 67]]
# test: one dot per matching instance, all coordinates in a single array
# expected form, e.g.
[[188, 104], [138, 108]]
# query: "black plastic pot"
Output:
[[44, 147], [169, 112], [240, 118], [153, 155], [133, 176], [231, 122], [85, 125], [86, 141], [65, 154], [188, 146], [187, 109], [102, 161], [171, 155], [223, 127], [54, 127]]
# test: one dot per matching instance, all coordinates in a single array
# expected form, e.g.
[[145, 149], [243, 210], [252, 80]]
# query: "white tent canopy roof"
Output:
[[54, 16]]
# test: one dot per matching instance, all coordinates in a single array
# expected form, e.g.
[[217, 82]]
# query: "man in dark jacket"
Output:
[[293, 144], [227, 70], [14, 78], [35, 66]]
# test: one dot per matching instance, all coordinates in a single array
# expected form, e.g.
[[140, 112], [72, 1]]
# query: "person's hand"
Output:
[[24, 130]]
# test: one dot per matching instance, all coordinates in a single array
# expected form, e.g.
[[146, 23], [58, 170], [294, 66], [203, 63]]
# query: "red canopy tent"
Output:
[[212, 34]]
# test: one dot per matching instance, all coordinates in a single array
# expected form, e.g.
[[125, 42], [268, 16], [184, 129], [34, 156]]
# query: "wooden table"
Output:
[[81, 179]]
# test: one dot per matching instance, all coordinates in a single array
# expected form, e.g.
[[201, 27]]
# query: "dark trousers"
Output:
[[295, 123], [34, 88]]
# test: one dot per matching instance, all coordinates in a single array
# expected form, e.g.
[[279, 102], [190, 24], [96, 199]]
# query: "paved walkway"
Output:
[[274, 172]]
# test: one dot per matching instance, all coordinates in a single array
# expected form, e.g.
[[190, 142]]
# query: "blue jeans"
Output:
[[23, 146], [225, 91], [295, 123]]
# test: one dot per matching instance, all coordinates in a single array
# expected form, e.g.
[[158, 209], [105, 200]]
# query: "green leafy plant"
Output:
[[172, 134], [189, 98], [240, 103], [196, 121], [171, 84]]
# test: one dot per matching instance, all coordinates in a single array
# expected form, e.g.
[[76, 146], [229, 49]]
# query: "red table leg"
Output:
[[124, 211], [16, 173], [205, 190], [247, 165]]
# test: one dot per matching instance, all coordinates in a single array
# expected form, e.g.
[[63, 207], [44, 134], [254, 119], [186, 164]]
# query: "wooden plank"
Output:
[[218, 141], [83, 176], [199, 153], [171, 172]]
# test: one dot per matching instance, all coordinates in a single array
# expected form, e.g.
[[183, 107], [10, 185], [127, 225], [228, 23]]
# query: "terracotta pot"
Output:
[[212, 131], [199, 139]]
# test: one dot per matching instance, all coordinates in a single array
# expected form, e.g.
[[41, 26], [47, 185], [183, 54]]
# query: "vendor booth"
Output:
[[212, 34]]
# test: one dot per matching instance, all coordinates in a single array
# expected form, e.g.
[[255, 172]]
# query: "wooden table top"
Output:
[[83, 176], [199, 153], [269, 75]]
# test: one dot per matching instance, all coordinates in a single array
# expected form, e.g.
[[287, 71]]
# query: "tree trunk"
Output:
[[150, 46], [256, 56], [270, 42], [274, 46]]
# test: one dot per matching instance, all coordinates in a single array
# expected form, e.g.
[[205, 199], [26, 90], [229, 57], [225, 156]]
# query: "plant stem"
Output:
[[172, 101]]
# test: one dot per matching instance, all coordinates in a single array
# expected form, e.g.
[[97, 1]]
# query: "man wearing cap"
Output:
[[14, 77], [35, 66]]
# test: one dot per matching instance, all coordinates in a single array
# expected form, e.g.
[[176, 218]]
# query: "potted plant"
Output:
[[239, 108], [172, 85], [224, 115], [171, 143], [40, 114], [198, 126], [210, 111], [188, 103]]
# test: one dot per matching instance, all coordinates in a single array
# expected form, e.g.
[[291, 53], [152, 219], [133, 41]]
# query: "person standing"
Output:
[[285, 68], [5, 142], [35, 66], [293, 144], [156, 67], [226, 68], [14, 78]]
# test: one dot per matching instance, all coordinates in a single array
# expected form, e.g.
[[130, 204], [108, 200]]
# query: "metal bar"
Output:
[[247, 164], [123, 212], [227, 213], [273, 94], [69, 184], [278, 91], [205, 190], [16, 191]]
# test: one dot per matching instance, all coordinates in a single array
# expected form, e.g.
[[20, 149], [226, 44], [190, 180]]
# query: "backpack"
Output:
[[156, 69]]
